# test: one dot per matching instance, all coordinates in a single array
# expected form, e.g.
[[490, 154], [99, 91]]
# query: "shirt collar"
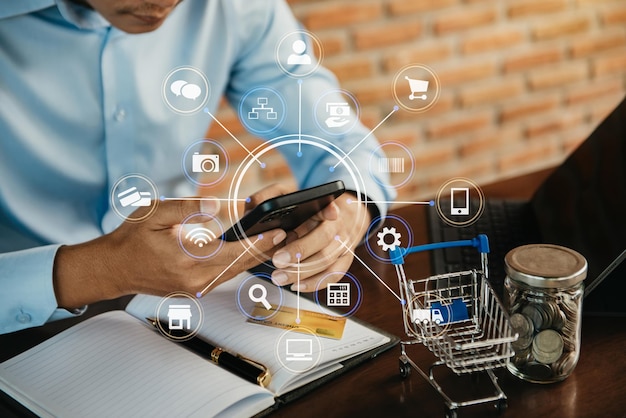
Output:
[[80, 16], [12, 8]]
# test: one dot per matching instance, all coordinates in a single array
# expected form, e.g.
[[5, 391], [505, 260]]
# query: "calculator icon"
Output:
[[338, 294]]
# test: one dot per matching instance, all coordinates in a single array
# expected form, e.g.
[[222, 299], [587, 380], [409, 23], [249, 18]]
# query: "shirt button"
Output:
[[23, 318], [119, 115]]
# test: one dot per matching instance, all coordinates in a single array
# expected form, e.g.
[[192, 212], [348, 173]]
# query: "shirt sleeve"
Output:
[[27, 296]]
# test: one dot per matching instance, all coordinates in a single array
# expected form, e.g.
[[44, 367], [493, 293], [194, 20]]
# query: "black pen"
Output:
[[241, 366]]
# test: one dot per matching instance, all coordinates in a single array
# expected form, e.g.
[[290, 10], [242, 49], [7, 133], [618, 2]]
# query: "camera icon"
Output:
[[205, 163], [338, 109]]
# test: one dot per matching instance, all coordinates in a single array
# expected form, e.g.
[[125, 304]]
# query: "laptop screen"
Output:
[[582, 205]]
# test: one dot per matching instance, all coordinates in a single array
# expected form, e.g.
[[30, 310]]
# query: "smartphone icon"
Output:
[[459, 201]]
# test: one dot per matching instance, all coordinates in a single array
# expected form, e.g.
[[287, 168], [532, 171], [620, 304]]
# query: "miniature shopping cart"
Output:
[[458, 317], [417, 87]]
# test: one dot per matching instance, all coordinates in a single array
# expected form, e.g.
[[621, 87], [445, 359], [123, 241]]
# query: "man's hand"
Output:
[[146, 258], [321, 245]]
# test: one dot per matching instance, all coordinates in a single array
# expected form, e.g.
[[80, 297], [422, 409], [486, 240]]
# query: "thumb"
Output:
[[174, 212]]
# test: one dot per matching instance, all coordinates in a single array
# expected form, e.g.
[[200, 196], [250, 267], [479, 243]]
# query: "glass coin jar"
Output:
[[543, 295]]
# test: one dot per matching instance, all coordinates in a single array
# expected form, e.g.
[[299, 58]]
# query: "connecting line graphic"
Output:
[[395, 109], [206, 110], [402, 301], [203, 291], [299, 117], [388, 202], [298, 256], [163, 199]]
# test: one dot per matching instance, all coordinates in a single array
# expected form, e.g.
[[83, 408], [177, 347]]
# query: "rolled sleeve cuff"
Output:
[[27, 298]]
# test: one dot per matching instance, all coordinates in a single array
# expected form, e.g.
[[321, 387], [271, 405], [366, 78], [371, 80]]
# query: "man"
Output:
[[81, 106]]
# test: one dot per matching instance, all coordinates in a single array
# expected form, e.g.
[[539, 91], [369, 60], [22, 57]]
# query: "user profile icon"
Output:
[[299, 56], [299, 53]]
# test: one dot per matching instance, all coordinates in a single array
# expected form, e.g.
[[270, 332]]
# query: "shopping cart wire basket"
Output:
[[458, 317]]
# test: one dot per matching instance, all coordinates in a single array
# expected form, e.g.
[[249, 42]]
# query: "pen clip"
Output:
[[265, 377]]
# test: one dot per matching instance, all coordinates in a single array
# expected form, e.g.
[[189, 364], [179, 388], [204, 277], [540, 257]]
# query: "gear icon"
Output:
[[381, 238]]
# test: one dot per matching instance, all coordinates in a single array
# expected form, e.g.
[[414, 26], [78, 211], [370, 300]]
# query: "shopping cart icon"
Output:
[[417, 86]]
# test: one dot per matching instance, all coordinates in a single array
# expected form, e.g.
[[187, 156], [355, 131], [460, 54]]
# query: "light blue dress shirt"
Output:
[[81, 106]]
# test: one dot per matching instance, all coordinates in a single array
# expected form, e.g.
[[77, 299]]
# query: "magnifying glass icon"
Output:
[[262, 298]]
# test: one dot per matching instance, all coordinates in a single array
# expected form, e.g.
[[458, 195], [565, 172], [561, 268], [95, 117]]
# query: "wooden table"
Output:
[[597, 387]]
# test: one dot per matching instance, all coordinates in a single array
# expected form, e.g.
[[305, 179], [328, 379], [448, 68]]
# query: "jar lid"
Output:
[[545, 265]]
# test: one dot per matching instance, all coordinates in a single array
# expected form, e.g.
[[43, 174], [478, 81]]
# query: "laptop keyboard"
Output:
[[506, 223]]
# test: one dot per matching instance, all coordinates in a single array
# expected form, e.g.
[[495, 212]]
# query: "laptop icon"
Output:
[[581, 205]]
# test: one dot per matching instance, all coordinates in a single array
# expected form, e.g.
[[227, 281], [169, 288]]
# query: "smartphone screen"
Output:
[[286, 212]]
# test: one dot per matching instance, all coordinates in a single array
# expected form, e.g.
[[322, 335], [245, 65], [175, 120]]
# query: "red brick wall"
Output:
[[522, 81]]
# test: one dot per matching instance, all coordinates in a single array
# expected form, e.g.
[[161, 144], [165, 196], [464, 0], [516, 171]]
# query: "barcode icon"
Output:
[[391, 165]]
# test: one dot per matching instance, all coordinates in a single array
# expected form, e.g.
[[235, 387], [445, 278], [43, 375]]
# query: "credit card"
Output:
[[320, 324]]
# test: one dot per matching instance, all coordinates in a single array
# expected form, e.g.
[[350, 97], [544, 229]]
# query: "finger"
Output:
[[251, 252], [314, 264], [240, 256], [321, 280], [307, 245], [175, 212]]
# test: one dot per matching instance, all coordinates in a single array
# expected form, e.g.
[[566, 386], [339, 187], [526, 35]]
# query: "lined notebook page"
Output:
[[225, 326], [114, 366]]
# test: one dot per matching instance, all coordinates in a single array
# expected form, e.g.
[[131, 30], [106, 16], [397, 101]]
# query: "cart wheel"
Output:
[[405, 369], [451, 413], [501, 405]]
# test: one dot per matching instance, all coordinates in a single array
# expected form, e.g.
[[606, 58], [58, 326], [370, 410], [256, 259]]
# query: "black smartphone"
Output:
[[287, 211]]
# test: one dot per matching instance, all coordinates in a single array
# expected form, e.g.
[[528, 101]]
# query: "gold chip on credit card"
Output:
[[320, 324]]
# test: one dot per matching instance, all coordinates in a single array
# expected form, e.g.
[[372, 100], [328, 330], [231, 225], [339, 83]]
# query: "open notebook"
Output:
[[114, 364]]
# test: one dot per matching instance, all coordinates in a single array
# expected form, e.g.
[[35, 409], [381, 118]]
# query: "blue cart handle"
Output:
[[480, 242]]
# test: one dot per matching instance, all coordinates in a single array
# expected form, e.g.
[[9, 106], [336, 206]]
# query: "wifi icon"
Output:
[[200, 236]]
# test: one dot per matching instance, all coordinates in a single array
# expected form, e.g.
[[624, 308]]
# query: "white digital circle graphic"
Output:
[[395, 232], [392, 159], [416, 88], [262, 110], [179, 316], [298, 350], [258, 298], [205, 162], [186, 90], [337, 112], [134, 198], [460, 202], [299, 54], [198, 235], [298, 144], [341, 298]]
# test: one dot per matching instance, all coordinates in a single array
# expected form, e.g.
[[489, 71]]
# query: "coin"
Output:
[[559, 319], [524, 328], [534, 313], [565, 364], [547, 346]]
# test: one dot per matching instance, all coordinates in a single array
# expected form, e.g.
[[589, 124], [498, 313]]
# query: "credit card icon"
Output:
[[129, 196]]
